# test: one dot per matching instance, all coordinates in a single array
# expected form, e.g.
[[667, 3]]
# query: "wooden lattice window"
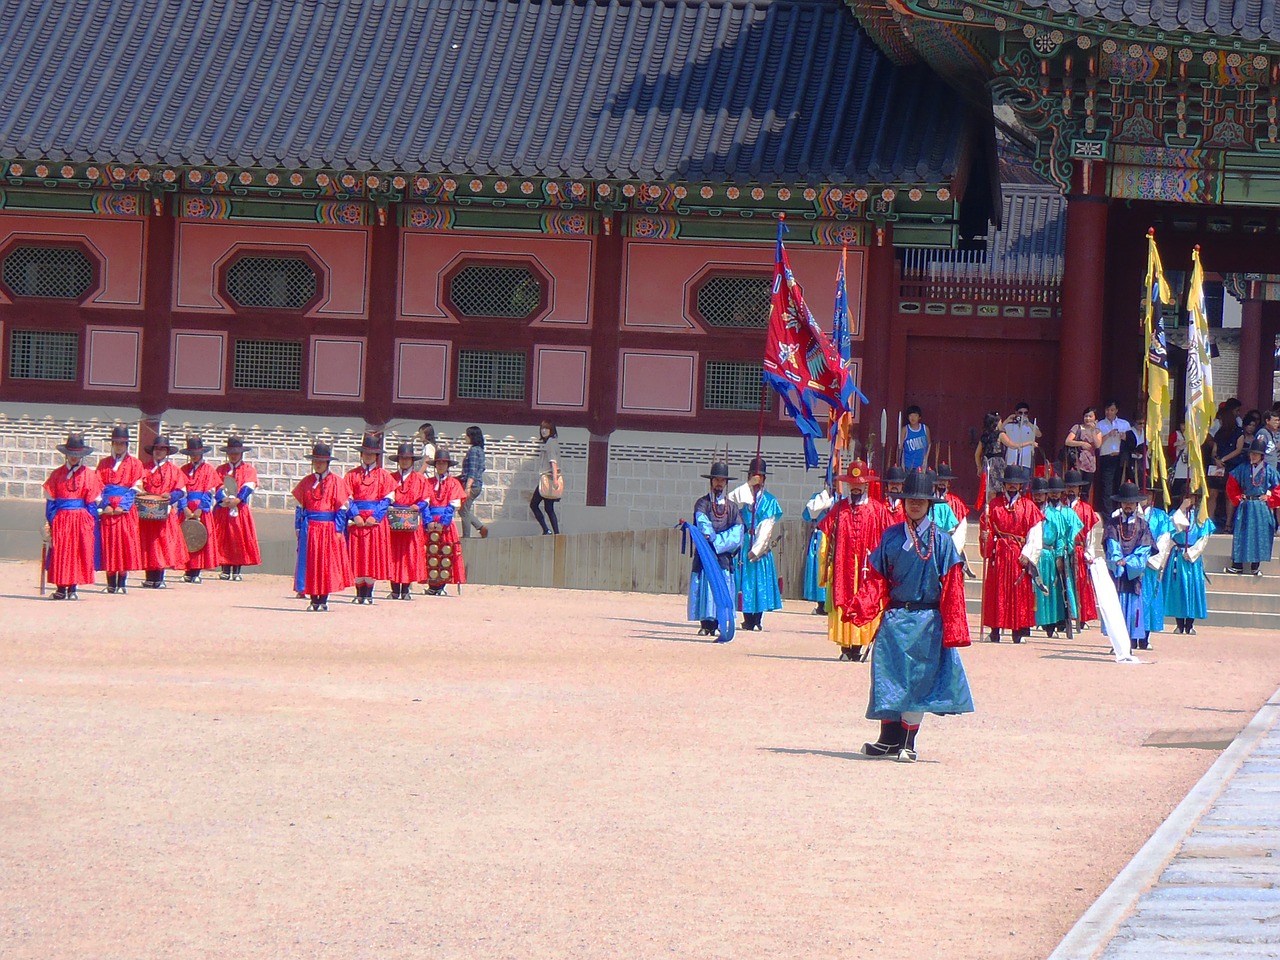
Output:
[[43, 355], [731, 385], [277, 283], [267, 365], [56, 273], [495, 290], [734, 300], [491, 375]]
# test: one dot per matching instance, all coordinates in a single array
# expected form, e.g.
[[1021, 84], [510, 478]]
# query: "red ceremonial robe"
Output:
[[408, 547], [442, 492], [202, 483], [71, 528], [1084, 584], [855, 531], [1009, 600], [237, 535], [328, 563], [162, 545], [958, 506], [121, 541], [897, 512], [370, 547]]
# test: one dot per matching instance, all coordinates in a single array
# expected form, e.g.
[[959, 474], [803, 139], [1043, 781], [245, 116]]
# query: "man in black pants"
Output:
[[1113, 429]]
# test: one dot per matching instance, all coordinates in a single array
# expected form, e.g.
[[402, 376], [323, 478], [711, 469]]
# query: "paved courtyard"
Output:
[[210, 772]]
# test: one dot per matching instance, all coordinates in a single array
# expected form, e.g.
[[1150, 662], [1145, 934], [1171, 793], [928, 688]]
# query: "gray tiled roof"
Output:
[[771, 91], [1250, 19]]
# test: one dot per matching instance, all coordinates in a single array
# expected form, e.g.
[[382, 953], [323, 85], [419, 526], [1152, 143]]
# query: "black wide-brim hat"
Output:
[[719, 471], [75, 446], [1129, 493], [372, 443], [757, 467], [321, 451], [1258, 446], [1015, 475], [895, 474], [119, 433], [406, 452], [235, 445], [919, 486], [195, 447], [944, 472], [1074, 478], [160, 441], [1040, 485], [442, 454], [1056, 483]]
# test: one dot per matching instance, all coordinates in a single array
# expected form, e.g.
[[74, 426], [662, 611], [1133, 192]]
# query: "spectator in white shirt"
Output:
[[1019, 437], [1113, 429]]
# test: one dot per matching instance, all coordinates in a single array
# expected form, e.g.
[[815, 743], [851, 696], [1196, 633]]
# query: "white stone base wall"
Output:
[[654, 478]]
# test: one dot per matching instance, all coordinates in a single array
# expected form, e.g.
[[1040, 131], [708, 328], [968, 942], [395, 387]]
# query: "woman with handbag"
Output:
[[1082, 443], [550, 480]]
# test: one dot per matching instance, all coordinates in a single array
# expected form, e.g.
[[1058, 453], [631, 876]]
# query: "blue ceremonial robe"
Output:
[[1128, 545], [724, 533], [758, 579], [812, 561], [1184, 593], [1153, 582], [1058, 537], [911, 671], [1255, 523]]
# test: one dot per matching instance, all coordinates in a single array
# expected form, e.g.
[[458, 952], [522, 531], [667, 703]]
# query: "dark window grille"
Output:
[[731, 385], [490, 375], [483, 290], [59, 273], [43, 355], [268, 365], [734, 300], [280, 283]]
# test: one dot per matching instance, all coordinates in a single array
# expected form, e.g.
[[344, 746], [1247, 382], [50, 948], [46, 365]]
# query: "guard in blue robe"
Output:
[[1184, 584], [1128, 546], [1153, 581], [719, 520], [1249, 487], [817, 508], [757, 573], [914, 577]]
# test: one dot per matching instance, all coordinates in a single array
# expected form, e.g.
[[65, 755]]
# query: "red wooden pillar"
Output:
[[1256, 360], [1083, 290], [379, 369], [879, 311], [607, 253], [157, 320]]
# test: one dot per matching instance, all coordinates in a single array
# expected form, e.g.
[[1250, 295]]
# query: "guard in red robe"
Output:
[[368, 535], [1088, 545], [1008, 594], [444, 547], [237, 536], [408, 547], [121, 476], [162, 545], [201, 481], [324, 566], [853, 527], [72, 493]]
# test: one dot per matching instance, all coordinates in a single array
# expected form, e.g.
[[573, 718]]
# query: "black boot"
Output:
[[993, 636], [120, 583], [226, 572], [59, 594], [111, 583], [892, 736], [908, 752], [235, 573]]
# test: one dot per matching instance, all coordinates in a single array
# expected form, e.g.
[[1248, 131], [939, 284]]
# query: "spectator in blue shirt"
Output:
[[473, 466]]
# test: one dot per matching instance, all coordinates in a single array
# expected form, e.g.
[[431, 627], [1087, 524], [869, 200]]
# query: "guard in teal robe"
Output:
[[1184, 584], [757, 572], [1057, 555], [817, 508], [1153, 581], [1254, 531]]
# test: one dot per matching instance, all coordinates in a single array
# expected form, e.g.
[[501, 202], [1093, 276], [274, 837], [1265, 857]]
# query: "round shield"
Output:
[[195, 535]]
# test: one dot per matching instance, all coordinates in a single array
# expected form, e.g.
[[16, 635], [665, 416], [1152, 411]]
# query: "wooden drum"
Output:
[[152, 507], [404, 518]]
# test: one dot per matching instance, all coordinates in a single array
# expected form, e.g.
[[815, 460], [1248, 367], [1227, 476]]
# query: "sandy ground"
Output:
[[209, 772]]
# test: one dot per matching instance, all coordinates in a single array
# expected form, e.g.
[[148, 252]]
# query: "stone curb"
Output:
[[1100, 923]]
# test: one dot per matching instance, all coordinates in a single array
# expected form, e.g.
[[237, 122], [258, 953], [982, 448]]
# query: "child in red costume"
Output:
[[237, 535]]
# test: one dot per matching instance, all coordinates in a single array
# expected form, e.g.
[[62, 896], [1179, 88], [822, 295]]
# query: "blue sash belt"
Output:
[[378, 508], [52, 507], [301, 519], [127, 495], [202, 500]]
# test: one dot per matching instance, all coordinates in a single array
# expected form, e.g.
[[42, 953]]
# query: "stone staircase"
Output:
[[1234, 601]]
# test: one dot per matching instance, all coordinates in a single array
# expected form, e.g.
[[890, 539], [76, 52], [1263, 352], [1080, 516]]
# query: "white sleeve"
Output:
[[1093, 543], [1196, 550], [819, 503], [741, 495], [1180, 521], [1164, 546], [960, 534], [763, 531], [1032, 549]]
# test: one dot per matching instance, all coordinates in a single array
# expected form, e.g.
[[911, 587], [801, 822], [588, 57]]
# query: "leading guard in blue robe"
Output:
[[915, 578], [718, 519], [1250, 487], [1128, 545], [1184, 589], [757, 573]]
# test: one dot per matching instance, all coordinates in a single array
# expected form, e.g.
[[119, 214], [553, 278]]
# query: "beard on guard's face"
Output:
[[718, 487]]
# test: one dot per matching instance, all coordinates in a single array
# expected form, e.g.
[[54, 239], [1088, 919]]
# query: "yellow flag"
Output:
[[1155, 372], [1200, 407]]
